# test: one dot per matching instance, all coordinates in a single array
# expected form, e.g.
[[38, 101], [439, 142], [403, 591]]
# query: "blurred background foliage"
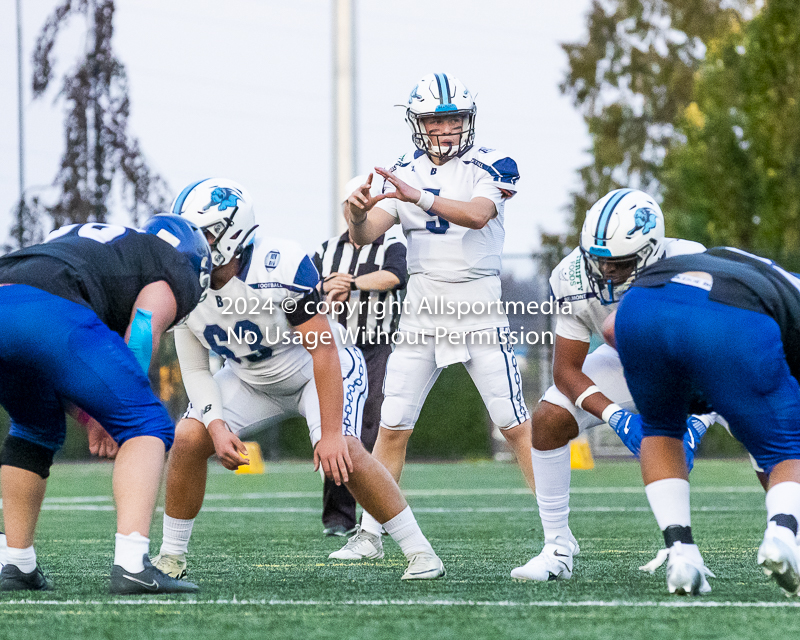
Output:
[[698, 103], [694, 101]]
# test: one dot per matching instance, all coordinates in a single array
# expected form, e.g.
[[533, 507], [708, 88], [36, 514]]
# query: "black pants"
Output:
[[338, 505]]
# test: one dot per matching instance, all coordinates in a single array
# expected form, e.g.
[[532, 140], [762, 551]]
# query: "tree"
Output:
[[633, 80], [733, 176], [98, 147]]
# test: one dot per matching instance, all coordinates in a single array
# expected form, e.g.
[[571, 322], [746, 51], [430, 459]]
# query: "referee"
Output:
[[368, 279]]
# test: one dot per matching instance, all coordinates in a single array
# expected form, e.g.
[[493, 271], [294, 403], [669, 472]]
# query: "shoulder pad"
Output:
[[679, 247], [569, 277], [279, 263], [499, 166]]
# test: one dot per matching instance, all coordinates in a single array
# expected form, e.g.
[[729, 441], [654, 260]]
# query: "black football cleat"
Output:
[[148, 581], [12, 579]]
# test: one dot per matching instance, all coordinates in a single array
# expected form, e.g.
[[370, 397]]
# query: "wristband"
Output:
[[609, 411], [353, 286], [590, 391], [425, 201]]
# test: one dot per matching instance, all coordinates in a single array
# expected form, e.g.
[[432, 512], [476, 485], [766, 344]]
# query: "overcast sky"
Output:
[[242, 89]]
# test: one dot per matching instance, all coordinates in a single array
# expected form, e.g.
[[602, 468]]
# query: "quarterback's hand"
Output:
[[629, 429], [227, 445], [403, 191], [332, 455], [100, 443], [361, 201]]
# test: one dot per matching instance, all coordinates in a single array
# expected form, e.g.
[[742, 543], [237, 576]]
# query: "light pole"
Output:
[[19, 107], [344, 102]]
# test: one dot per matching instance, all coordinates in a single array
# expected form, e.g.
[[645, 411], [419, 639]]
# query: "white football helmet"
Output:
[[439, 94], [623, 233], [225, 209]]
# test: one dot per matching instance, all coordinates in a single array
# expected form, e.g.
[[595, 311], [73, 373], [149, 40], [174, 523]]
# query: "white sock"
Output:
[[669, 500], [3, 550], [552, 474], [129, 550], [22, 559], [406, 532], [784, 498], [371, 525], [176, 536]]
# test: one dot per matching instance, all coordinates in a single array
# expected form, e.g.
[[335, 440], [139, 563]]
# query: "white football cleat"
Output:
[[778, 557], [686, 572], [424, 565], [576, 549], [553, 563], [362, 545], [173, 566]]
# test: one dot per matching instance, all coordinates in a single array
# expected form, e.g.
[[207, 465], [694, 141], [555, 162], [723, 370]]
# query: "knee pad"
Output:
[[501, 411], [30, 456], [394, 413]]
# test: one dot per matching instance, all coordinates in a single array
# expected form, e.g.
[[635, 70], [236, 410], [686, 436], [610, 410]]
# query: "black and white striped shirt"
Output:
[[378, 312]]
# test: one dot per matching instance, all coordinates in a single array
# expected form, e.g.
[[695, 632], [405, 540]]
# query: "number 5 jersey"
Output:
[[442, 254]]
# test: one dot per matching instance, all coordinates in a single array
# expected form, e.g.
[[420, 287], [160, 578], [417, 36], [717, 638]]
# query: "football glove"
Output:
[[695, 430], [628, 427]]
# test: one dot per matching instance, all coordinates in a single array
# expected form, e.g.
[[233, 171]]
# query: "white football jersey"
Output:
[[570, 283], [448, 262], [244, 321], [437, 248]]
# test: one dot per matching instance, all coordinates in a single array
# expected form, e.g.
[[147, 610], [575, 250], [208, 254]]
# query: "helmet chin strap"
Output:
[[240, 248], [216, 256]]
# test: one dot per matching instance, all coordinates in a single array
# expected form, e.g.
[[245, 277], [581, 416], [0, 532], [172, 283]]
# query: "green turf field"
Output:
[[261, 561]]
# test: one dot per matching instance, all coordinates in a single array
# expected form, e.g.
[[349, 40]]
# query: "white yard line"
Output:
[[416, 493], [679, 604], [442, 510]]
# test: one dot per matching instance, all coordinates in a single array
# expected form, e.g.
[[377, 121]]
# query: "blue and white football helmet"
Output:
[[439, 94], [188, 239], [224, 209], [623, 233]]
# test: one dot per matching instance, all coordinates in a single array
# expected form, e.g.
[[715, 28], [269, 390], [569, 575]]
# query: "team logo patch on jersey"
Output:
[[224, 197], [645, 219], [575, 269], [272, 259]]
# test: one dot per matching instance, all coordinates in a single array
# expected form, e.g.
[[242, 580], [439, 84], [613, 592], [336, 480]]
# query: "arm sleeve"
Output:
[[394, 261], [200, 385], [307, 307]]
